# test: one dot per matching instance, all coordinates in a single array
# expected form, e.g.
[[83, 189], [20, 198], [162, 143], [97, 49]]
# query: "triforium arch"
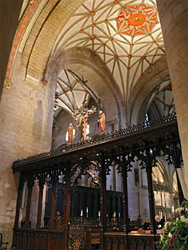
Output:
[[90, 66], [144, 88]]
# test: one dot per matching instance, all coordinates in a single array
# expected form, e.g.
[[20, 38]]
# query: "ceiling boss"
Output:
[[137, 20]]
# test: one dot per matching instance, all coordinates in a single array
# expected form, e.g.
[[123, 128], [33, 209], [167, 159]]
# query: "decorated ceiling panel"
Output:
[[125, 34]]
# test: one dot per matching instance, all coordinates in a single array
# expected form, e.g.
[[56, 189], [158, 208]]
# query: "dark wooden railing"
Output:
[[144, 141], [44, 239], [121, 241], [130, 135], [38, 239]]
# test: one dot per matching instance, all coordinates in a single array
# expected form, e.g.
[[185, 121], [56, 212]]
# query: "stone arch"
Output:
[[45, 33], [143, 89], [160, 172], [91, 67]]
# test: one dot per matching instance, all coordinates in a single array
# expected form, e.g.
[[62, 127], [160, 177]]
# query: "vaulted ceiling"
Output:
[[124, 34]]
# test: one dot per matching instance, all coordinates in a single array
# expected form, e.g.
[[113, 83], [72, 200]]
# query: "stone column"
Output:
[[174, 19]]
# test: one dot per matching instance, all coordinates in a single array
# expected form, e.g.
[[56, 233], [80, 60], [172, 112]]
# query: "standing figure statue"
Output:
[[70, 133], [81, 118], [101, 122], [58, 220], [79, 122]]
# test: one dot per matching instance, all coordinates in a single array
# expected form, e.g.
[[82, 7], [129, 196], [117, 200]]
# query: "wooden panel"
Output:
[[56, 240], [140, 244], [115, 246], [121, 246], [122, 243], [108, 246], [18, 238], [149, 247], [132, 244], [149, 244], [107, 243], [34, 239], [139, 247], [30, 240], [44, 239]]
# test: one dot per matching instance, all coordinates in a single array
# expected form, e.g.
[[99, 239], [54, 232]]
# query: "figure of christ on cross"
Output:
[[81, 117]]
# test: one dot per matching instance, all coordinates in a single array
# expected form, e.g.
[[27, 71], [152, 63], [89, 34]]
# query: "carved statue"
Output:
[[101, 122], [79, 122], [81, 116], [70, 133], [58, 220]]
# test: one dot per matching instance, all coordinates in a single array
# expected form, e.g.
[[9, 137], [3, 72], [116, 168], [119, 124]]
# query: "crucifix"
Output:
[[81, 117]]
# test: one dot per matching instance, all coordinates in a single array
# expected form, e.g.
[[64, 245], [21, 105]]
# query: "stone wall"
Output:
[[26, 113]]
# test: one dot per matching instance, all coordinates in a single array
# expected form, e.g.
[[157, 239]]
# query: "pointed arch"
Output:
[[90, 66]]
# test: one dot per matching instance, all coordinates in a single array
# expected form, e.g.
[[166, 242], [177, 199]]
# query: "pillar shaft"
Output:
[[40, 206], [125, 203], [66, 215], [53, 206], [151, 198], [174, 19], [28, 208], [114, 176], [103, 196]]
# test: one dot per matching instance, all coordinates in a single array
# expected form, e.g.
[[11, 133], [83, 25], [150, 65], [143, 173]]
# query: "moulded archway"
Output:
[[145, 86], [90, 66]]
